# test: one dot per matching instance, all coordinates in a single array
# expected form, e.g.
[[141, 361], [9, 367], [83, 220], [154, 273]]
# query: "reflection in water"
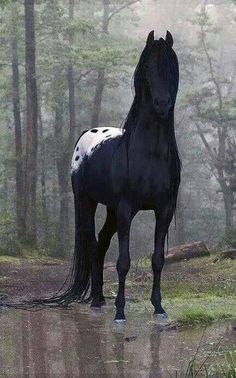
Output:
[[155, 341], [119, 349], [78, 343]]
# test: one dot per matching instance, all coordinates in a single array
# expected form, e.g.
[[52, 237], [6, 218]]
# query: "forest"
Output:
[[67, 66]]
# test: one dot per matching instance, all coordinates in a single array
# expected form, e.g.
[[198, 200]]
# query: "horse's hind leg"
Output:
[[104, 238]]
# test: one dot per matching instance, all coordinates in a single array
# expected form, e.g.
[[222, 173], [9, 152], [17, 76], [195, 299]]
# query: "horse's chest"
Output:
[[149, 178]]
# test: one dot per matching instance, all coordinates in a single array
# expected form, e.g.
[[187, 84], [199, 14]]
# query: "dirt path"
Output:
[[28, 278], [33, 278]]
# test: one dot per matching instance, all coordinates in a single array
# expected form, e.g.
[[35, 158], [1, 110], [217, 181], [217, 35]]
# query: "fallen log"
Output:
[[228, 254], [187, 251], [180, 252]]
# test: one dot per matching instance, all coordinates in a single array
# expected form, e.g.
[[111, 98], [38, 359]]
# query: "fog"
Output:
[[100, 42]]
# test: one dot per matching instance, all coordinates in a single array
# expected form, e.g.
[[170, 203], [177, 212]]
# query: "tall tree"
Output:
[[20, 221], [62, 165], [42, 158], [63, 160], [71, 83], [100, 80], [215, 116], [31, 127]]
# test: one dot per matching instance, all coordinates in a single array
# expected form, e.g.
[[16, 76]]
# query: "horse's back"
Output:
[[91, 140], [92, 163]]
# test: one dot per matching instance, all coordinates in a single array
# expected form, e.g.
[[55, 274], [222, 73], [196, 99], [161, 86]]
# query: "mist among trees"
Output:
[[66, 66]]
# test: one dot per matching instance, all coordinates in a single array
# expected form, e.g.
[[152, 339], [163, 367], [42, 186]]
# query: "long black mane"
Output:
[[169, 65]]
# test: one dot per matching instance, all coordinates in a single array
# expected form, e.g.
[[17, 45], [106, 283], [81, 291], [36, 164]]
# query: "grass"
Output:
[[190, 316], [204, 310], [197, 291], [226, 369], [10, 260], [29, 257]]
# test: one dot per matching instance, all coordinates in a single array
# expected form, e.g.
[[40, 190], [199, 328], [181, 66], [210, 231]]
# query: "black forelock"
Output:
[[138, 78]]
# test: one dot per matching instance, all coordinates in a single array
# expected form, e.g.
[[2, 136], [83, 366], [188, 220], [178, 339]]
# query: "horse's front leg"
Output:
[[163, 220], [125, 215]]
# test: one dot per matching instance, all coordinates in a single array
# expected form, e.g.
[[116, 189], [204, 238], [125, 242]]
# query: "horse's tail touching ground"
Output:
[[75, 287]]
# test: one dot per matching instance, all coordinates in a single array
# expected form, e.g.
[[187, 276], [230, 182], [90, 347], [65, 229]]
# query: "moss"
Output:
[[196, 291], [30, 258], [191, 316], [195, 368], [10, 260]]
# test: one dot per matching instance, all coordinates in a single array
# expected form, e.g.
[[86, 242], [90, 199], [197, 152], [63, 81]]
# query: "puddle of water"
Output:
[[79, 343]]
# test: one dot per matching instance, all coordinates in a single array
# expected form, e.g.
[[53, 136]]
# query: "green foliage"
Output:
[[88, 51], [3, 3], [190, 316], [116, 52], [197, 291], [229, 370], [203, 369]]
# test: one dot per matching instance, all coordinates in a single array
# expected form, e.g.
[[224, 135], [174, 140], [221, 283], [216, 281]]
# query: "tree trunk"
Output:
[[71, 86], [31, 127], [42, 173], [100, 82], [63, 159], [72, 119], [62, 163], [227, 193], [20, 221], [63, 227], [97, 100], [187, 251], [228, 204]]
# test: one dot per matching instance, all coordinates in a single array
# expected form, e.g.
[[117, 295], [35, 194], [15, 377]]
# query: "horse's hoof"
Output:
[[119, 321], [162, 316], [120, 318], [96, 308]]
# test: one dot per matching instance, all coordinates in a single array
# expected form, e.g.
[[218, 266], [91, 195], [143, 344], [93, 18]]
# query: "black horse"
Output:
[[137, 168]]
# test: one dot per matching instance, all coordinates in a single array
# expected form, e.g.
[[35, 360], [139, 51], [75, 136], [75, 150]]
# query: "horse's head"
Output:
[[159, 73]]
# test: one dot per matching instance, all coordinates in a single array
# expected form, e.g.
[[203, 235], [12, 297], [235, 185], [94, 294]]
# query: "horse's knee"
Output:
[[157, 262], [123, 265]]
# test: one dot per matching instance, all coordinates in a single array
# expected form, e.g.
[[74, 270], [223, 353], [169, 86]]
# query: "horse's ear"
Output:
[[169, 39], [150, 38]]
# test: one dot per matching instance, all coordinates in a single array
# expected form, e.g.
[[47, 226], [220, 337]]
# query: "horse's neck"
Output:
[[154, 134]]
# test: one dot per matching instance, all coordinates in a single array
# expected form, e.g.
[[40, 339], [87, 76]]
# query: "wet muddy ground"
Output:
[[80, 343]]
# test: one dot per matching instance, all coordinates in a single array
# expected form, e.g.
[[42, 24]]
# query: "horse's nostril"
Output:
[[156, 102]]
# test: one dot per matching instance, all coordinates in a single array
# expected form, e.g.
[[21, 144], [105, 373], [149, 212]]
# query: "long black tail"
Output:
[[75, 287]]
